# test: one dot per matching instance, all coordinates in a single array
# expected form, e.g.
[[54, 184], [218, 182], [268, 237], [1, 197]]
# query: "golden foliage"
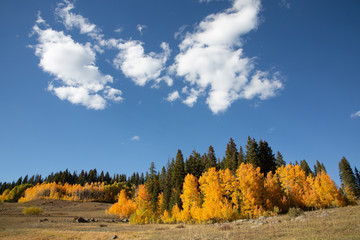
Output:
[[124, 207]]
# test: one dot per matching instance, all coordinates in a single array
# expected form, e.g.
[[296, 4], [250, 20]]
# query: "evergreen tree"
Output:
[[305, 167], [241, 156], [168, 187], [19, 181], [82, 178], [279, 160], [210, 160], [25, 180], [319, 167], [231, 157], [178, 176], [93, 177], [252, 151], [347, 176], [107, 178], [193, 164], [153, 186], [357, 177], [266, 157]]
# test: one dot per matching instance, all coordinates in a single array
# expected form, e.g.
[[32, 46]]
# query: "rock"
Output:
[[261, 218], [103, 225], [114, 237], [92, 220], [80, 220], [43, 220], [124, 220]]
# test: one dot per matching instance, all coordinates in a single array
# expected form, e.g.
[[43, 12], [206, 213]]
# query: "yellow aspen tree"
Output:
[[215, 206], [143, 213], [273, 193], [250, 184], [166, 218], [293, 181], [190, 197], [124, 207], [176, 214], [323, 192]]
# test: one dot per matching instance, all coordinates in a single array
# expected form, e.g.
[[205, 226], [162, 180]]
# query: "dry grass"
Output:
[[337, 223], [32, 211]]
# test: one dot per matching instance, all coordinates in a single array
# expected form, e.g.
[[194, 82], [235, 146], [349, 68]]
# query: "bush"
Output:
[[32, 211], [294, 212]]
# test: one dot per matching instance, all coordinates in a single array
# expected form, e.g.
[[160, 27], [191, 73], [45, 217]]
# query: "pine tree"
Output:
[[241, 156], [168, 187], [210, 159], [178, 176], [357, 177], [266, 156], [319, 167], [305, 167], [279, 160], [193, 164], [347, 176], [252, 152], [231, 157]]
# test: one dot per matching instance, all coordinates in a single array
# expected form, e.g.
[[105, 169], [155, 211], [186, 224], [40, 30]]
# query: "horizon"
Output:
[[118, 85]]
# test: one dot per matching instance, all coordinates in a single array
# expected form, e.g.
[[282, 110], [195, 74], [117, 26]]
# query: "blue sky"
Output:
[[116, 85]]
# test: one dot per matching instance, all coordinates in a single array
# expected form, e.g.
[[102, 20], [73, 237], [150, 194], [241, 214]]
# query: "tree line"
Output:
[[170, 179]]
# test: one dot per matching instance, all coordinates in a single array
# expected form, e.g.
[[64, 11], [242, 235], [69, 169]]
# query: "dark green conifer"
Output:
[[231, 157], [266, 157], [252, 152], [178, 176], [241, 156], [305, 167], [319, 167], [347, 176], [210, 159], [193, 164], [279, 160]]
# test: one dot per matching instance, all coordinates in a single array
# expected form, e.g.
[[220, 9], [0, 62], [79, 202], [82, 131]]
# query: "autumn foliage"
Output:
[[217, 196], [220, 195]]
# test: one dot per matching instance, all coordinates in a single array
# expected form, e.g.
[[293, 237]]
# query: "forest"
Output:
[[245, 183]]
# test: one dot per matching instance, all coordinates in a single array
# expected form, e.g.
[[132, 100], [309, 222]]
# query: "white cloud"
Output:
[[77, 78], [139, 66], [113, 94], [212, 62], [71, 20], [355, 115], [135, 138], [118, 30], [173, 96], [285, 4], [140, 28]]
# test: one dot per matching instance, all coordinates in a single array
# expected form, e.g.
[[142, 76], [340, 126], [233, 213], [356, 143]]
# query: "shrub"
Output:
[[294, 212], [32, 211]]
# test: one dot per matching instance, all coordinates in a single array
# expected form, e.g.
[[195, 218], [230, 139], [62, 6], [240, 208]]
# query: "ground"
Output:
[[57, 222]]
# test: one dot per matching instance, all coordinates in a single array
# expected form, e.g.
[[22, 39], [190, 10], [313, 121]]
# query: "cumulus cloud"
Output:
[[140, 28], [135, 138], [355, 115], [139, 66], [77, 78], [71, 20], [212, 62], [173, 96]]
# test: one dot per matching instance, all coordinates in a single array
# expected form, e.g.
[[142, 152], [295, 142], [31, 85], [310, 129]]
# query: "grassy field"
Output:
[[57, 222]]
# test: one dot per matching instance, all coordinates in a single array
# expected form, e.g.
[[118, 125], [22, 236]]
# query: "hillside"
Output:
[[58, 222]]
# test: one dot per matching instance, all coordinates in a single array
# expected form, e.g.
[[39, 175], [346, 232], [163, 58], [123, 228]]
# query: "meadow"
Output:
[[58, 221]]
